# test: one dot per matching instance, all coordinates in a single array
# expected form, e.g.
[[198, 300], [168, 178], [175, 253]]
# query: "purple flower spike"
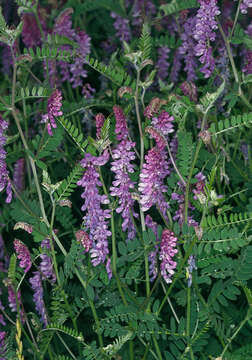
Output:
[[162, 63], [122, 27], [204, 33], [46, 266], [4, 173], [187, 48], [31, 35], [53, 110], [23, 255], [38, 300], [78, 73], [95, 219], [99, 121], [163, 123], [167, 252], [122, 185], [151, 185], [19, 174]]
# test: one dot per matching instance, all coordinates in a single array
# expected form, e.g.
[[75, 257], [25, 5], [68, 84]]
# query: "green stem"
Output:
[[235, 20], [157, 348], [235, 333]]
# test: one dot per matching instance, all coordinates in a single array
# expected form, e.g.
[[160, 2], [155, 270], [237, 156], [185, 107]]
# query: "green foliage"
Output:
[[230, 124], [145, 43], [209, 99], [73, 132], [240, 37], [50, 53], [223, 241], [43, 146], [212, 222], [91, 5], [32, 93], [244, 352], [185, 152], [221, 293], [243, 270], [177, 5], [64, 329], [68, 185], [117, 75]]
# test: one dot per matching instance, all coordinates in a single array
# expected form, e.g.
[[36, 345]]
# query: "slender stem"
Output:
[[91, 304], [64, 343], [235, 333], [157, 348], [174, 165], [235, 20]]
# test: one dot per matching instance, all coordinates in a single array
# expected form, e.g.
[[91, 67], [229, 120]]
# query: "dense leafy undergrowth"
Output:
[[125, 179]]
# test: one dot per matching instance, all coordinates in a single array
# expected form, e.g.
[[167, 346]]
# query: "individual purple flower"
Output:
[[4, 173], [187, 48], [244, 150], [95, 219], [83, 237], [245, 5], [53, 110], [167, 252], [191, 266], [38, 300], [179, 214], [122, 27], [46, 265], [190, 90], [2, 345], [108, 268], [122, 156], [163, 123], [153, 107], [76, 68], [204, 33], [23, 255], [99, 121], [88, 91], [176, 66], [19, 174], [12, 297], [247, 68], [199, 186], [162, 62]]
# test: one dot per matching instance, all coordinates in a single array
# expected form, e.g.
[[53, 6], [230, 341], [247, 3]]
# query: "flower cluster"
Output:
[[31, 35], [19, 175], [121, 165], [99, 121], [73, 72], [162, 63], [204, 33], [122, 27], [245, 5], [23, 255], [179, 214], [156, 166], [190, 90], [53, 110], [187, 48], [199, 187], [84, 239], [38, 300], [95, 219], [46, 266], [167, 252], [4, 174]]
